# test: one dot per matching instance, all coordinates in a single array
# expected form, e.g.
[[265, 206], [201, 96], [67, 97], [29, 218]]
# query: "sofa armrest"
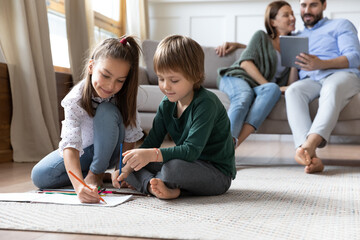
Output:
[[143, 76]]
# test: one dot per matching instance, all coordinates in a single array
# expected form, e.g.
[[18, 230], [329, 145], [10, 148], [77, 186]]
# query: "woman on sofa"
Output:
[[254, 83]]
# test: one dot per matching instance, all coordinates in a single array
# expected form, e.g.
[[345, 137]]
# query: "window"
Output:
[[109, 19]]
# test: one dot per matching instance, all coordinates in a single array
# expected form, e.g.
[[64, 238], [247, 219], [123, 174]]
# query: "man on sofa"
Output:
[[329, 72]]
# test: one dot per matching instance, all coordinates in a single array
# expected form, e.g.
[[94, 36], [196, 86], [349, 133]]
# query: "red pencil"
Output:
[[83, 183]]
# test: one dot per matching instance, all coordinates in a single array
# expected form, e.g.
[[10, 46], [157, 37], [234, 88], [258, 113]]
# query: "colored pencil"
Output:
[[120, 162], [85, 185]]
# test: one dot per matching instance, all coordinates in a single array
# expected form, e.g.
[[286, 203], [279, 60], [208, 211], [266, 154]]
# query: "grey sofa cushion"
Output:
[[149, 98], [149, 48], [212, 62]]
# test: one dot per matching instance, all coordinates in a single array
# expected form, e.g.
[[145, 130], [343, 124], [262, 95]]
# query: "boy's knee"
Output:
[[171, 170]]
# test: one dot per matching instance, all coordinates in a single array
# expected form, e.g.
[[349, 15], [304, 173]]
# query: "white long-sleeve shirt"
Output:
[[77, 128]]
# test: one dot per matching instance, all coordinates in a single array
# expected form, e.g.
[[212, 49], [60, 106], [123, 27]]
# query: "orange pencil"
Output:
[[83, 183]]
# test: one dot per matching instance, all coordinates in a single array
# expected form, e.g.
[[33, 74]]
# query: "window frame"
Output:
[[101, 21]]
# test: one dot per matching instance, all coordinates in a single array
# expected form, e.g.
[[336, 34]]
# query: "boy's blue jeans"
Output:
[[109, 132], [248, 105]]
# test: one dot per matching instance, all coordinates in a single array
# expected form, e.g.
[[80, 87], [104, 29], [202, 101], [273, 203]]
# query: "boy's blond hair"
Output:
[[181, 54]]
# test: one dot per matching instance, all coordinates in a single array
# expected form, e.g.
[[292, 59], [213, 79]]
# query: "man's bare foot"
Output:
[[316, 165], [302, 156], [158, 188], [94, 179]]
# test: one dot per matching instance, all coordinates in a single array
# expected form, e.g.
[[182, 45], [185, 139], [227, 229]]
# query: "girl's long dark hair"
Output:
[[125, 48]]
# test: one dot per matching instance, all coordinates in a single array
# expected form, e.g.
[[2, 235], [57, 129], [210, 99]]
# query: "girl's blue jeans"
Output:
[[248, 105], [109, 132]]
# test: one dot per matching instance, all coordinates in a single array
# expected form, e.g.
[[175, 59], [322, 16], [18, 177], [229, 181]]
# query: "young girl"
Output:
[[202, 162], [100, 114]]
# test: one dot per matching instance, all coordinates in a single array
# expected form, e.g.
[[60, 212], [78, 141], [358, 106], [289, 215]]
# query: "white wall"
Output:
[[213, 22]]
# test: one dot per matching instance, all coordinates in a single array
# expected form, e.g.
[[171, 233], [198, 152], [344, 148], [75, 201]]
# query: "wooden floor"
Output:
[[15, 177]]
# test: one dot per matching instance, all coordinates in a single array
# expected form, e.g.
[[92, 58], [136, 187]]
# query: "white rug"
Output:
[[272, 202]]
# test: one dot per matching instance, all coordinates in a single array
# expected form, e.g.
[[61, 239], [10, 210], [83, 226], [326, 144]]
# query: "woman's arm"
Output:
[[253, 71], [228, 47], [72, 163], [293, 76]]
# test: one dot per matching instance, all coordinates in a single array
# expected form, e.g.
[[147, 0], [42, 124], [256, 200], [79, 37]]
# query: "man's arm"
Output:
[[348, 50]]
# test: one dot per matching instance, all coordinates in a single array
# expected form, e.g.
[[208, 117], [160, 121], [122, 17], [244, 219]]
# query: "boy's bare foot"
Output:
[[158, 188], [302, 156], [316, 165], [94, 179]]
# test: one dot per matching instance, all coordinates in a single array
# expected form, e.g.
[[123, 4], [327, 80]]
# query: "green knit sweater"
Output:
[[261, 51], [202, 132]]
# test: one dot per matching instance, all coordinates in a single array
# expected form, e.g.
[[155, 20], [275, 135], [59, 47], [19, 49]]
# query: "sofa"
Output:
[[149, 96]]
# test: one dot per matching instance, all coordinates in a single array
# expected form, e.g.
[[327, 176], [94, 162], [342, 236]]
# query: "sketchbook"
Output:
[[111, 201]]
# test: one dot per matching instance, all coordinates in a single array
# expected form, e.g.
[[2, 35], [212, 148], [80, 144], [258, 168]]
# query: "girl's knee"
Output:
[[107, 110], [38, 174]]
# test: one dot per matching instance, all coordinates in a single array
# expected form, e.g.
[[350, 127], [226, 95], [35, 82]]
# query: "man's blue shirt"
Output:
[[330, 39]]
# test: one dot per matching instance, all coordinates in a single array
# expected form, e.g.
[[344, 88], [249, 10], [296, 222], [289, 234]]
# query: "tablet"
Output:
[[290, 47]]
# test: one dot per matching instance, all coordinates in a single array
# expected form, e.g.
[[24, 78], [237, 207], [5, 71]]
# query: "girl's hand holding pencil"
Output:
[[86, 193]]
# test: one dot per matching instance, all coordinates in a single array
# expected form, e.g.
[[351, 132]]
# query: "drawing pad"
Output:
[[290, 47]]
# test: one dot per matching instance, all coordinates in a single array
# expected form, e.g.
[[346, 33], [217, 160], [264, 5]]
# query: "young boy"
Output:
[[202, 162]]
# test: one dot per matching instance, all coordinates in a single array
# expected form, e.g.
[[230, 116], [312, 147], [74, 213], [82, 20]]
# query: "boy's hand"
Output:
[[138, 158], [115, 178]]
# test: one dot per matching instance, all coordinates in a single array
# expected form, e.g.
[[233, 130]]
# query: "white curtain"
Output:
[[25, 43], [137, 18], [80, 34]]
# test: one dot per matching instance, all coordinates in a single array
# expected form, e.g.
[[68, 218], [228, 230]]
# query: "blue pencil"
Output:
[[120, 162]]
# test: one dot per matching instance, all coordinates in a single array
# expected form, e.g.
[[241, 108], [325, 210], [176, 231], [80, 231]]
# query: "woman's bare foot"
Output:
[[94, 179], [158, 188], [302, 156], [316, 165]]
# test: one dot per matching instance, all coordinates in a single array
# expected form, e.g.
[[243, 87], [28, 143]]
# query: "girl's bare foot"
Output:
[[302, 156], [94, 179], [316, 165], [107, 177], [158, 188]]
